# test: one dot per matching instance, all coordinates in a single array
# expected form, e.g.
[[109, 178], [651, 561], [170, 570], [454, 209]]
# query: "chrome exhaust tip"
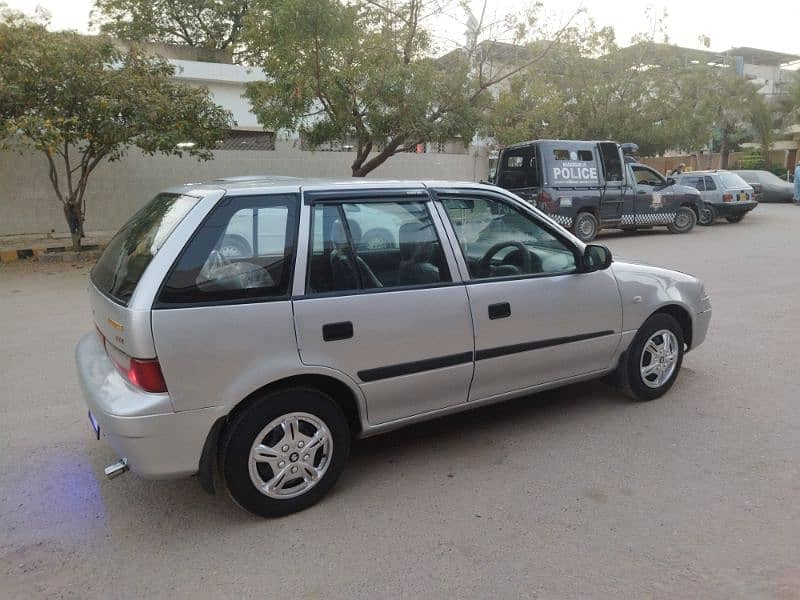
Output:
[[118, 468]]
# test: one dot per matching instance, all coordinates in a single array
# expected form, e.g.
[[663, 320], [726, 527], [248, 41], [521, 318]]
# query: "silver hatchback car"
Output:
[[261, 365]]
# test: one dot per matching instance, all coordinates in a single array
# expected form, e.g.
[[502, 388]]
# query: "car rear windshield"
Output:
[[732, 181], [133, 247]]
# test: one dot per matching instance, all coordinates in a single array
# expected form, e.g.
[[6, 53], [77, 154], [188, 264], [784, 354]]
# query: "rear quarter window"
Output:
[[244, 251], [131, 250]]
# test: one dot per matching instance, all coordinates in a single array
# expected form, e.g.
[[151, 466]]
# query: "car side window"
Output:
[[709, 181], [695, 181], [374, 245], [243, 250], [499, 240], [645, 176]]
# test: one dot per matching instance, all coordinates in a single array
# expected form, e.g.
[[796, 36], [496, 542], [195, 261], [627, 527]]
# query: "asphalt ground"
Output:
[[574, 493]]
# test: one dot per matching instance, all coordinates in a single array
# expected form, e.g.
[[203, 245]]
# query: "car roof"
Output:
[[704, 172], [561, 142], [252, 184]]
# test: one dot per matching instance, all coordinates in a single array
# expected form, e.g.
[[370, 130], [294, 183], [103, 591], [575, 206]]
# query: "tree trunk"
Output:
[[72, 213], [361, 167], [724, 152]]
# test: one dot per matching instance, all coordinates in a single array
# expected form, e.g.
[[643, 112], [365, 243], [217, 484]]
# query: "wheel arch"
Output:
[[342, 393], [693, 206], [682, 315]]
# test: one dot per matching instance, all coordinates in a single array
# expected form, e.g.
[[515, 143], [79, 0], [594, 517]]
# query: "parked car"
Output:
[[591, 185], [725, 194], [263, 367], [773, 188]]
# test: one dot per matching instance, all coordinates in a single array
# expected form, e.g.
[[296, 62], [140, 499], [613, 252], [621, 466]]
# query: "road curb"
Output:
[[52, 254]]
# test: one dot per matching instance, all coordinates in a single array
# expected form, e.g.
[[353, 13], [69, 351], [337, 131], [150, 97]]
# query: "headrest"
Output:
[[416, 242]]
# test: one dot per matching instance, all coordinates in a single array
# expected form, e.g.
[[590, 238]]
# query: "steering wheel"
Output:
[[485, 264]]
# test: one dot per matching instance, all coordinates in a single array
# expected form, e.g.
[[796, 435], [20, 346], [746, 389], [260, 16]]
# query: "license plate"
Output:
[[94, 425], [742, 197]]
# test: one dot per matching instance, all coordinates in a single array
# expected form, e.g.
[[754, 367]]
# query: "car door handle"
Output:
[[501, 310], [337, 331], [641, 191]]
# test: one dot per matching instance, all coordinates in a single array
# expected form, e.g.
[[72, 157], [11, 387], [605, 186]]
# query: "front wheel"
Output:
[[684, 220], [652, 362], [734, 218], [284, 451], [585, 227], [708, 215]]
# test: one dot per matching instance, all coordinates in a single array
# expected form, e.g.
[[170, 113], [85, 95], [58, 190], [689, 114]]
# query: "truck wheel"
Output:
[[734, 218], [585, 227], [708, 214], [284, 451], [684, 220]]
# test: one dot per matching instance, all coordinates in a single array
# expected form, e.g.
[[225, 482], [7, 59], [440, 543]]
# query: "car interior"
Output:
[[336, 264]]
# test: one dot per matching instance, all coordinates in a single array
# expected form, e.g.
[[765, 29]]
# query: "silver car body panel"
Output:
[[551, 334], [564, 328]]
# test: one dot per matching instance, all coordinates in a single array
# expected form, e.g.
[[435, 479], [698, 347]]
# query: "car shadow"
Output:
[[163, 507]]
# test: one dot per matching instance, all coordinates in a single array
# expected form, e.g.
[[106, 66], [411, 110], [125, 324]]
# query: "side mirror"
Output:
[[596, 258], [671, 181]]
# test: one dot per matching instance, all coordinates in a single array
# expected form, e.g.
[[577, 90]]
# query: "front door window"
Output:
[[498, 240]]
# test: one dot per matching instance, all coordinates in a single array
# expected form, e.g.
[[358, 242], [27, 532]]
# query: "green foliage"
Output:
[[754, 159], [80, 101], [652, 94], [363, 70], [211, 24]]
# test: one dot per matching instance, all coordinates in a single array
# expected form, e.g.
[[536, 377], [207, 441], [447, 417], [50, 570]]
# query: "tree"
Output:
[[657, 95], [762, 118], [79, 101], [210, 24], [364, 70]]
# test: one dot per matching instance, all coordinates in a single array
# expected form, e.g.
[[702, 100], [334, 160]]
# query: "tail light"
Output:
[[144, 374], [727, 197]]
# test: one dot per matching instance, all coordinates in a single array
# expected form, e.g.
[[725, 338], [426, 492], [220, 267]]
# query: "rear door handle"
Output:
[[501, 310], [337, 331]]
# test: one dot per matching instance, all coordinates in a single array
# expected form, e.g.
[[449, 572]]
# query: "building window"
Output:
[[247, 140]]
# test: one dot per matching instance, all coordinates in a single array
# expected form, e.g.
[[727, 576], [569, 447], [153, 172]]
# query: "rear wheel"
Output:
[[708, 215], [684, 220], [585, 226], [284, 451], [734, 218]]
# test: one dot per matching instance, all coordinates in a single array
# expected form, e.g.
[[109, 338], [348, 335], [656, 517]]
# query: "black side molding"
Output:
[[418, 366], [527, 346], [337, 331]]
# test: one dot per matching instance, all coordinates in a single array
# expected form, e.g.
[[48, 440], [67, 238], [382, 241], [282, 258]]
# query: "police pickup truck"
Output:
[[591, 185]]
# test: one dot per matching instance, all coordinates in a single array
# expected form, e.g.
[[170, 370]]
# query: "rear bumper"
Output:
[[158, 442], [729, 209]]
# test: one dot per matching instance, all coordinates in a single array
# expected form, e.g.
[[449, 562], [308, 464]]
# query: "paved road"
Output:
[[577, 493]]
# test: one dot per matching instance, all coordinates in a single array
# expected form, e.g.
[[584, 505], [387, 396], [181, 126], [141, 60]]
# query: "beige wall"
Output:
[[29, 205]]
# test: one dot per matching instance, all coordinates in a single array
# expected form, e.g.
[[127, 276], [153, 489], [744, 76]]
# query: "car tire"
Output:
[[265, 460], [235, 246], [633, 375], [734, 218], [684, 220], [585, 227], [708, 214]]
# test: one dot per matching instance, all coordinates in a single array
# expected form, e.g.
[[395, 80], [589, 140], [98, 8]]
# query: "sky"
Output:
[[768, 24]]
